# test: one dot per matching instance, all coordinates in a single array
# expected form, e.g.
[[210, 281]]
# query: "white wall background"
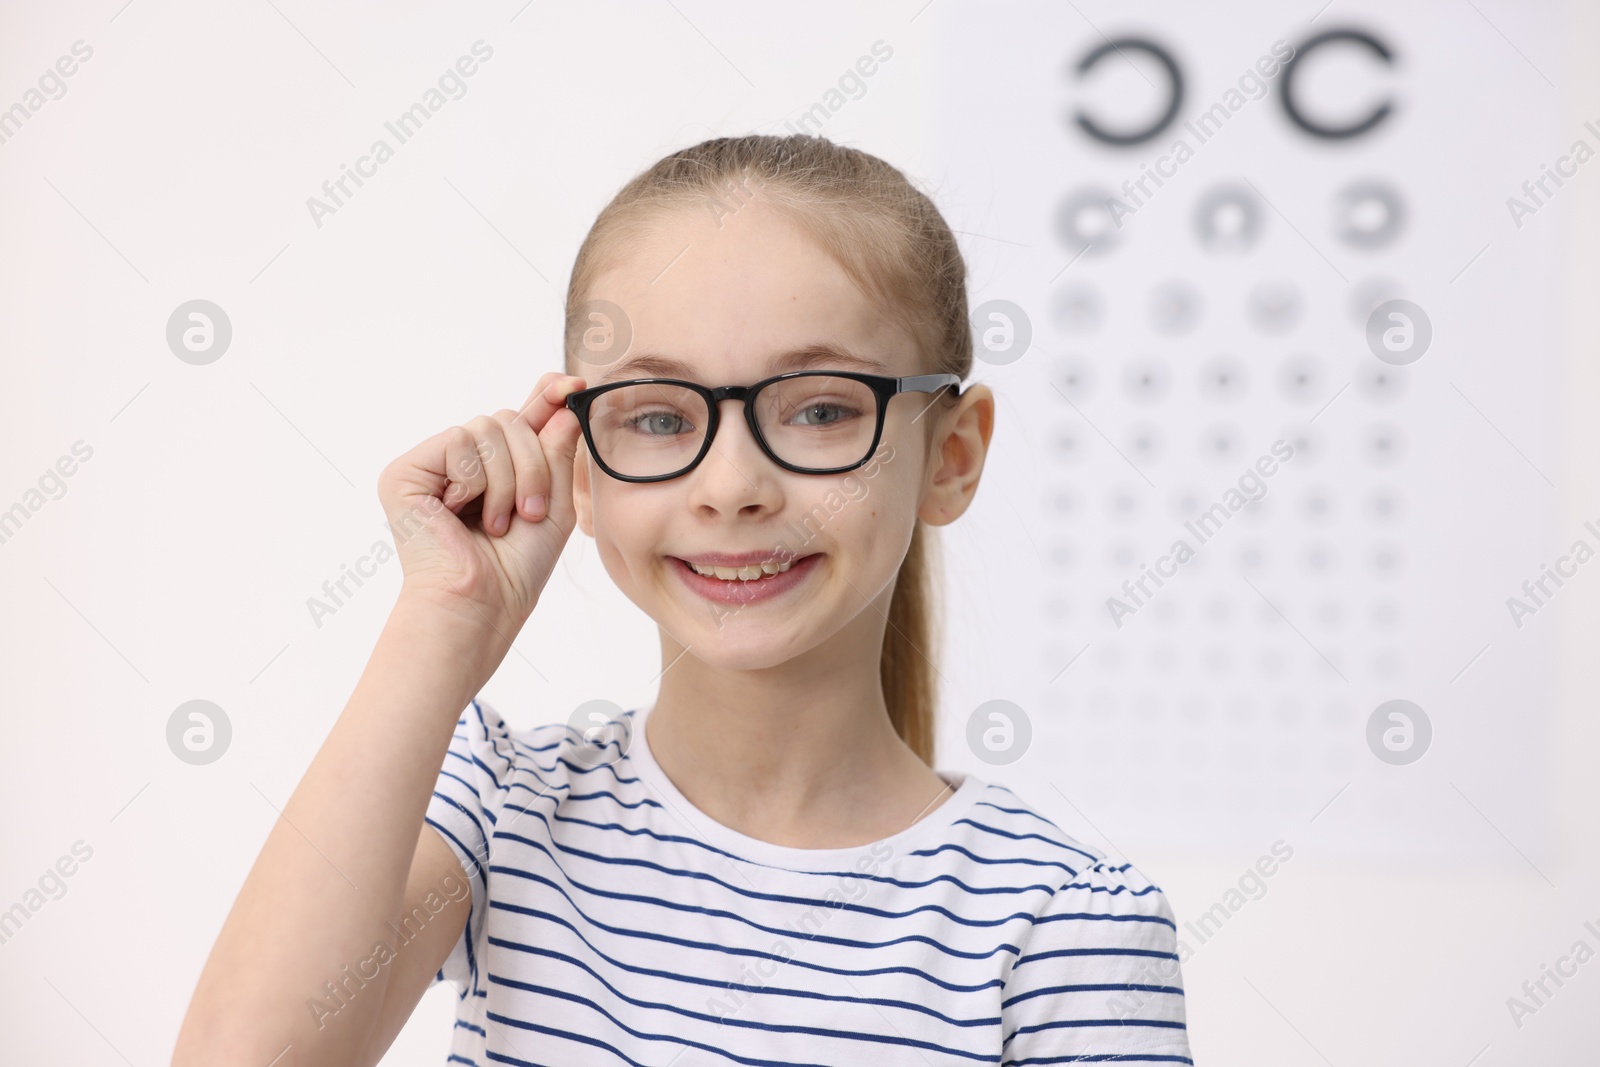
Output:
[[177, 562]]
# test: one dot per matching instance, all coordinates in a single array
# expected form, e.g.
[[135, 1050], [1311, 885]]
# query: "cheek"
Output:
[[628, 530], [629, 557], [876, 524], [610, 535]]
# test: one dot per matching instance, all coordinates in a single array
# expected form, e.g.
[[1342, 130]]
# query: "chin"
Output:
[[726, 651]]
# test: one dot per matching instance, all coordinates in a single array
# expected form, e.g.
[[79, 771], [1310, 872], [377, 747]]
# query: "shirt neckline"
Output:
[[929, 827]]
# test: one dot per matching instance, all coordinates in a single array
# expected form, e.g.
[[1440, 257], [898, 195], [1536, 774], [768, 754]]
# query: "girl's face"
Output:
[[728, 296]]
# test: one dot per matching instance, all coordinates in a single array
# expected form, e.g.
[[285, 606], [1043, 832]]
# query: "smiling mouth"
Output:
[[750, 572]]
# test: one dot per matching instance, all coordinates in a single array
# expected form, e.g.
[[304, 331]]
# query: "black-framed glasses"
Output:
[[809, 421]]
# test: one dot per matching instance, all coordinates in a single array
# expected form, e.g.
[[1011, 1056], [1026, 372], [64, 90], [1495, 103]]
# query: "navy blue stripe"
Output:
[[756, 954], [618, 860], [1026, 837], [570, 738], [579, 768], [747, 989], [485, 733], [565, 730], [1017, 811], [1114, 889], [472, 790], [782, 898], [603, 794], [1171, 1024], [948, 847], [477, 873], [1102, 1057], [1097, 987], [894, 1039], [728, 1020], [719, 913], [1057, 953], [1069, 916]]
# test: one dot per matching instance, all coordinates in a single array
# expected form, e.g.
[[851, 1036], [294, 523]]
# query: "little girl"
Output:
[[761, 415]]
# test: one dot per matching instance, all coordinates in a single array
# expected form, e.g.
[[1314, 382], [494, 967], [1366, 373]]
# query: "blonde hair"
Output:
[[894, 245]]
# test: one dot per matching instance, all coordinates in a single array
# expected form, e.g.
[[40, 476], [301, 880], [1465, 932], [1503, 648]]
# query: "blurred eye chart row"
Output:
[[1283, 339]]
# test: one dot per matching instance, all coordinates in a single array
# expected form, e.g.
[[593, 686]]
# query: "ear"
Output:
[[961, 442], [582, 497]]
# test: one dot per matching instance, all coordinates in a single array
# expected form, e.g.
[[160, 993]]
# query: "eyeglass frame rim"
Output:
[[885, 387]]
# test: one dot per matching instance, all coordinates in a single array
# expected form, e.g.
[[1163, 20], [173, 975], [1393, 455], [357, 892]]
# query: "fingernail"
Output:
[[500, 522], [536, 506]]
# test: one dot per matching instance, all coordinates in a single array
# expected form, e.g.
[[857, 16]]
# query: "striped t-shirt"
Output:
[[612, 922]]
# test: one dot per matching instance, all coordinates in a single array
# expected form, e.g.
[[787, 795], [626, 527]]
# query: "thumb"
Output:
[[559, 440]]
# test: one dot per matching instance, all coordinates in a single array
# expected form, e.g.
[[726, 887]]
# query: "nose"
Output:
[[736, 473]]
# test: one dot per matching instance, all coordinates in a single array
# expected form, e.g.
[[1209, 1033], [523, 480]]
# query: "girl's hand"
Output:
[[481, 511]]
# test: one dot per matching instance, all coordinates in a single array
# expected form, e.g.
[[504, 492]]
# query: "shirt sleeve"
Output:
[[464, 808], [1098, 976]]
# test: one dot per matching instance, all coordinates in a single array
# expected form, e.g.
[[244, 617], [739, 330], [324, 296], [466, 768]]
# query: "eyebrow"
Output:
[[822, 353]]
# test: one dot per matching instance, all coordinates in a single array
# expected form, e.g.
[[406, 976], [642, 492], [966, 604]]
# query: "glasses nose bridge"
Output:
[[730, 392], [741, 393]]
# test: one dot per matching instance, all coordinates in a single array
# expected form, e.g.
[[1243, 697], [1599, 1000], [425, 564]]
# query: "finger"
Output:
[[500, 488], [544, 379], [463, 471], [532, 473], [411, 484], [447, 468], [549, 397], [559, 441]]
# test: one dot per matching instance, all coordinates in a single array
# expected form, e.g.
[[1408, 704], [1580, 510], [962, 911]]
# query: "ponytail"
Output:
[[910, 684]]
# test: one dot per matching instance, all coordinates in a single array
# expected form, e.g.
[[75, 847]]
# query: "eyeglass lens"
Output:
[[818, 422]]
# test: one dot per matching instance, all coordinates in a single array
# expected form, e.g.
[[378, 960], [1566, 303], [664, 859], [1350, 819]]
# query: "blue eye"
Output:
[[661, 420], [821, 414], [837, 412]]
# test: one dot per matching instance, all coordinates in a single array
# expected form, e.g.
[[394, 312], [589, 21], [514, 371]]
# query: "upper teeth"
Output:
[[743, 574]]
